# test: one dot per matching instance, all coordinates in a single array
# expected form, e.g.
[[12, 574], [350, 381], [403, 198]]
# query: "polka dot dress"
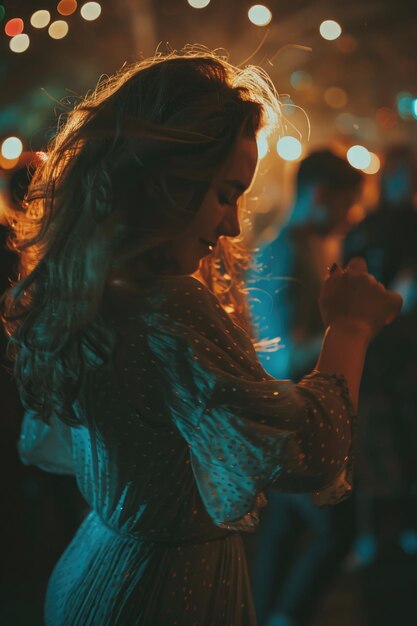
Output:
[[181, 434]]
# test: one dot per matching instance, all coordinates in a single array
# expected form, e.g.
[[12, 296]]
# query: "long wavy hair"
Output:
[[126, 171]]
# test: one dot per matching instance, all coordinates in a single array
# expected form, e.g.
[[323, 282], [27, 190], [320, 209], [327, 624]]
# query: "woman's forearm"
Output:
[[343, 352]]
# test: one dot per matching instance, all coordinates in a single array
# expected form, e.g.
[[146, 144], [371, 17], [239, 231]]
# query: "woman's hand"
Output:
[[354, 300]]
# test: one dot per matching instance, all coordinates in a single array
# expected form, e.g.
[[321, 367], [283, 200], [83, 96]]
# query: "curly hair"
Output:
[[126, 171]]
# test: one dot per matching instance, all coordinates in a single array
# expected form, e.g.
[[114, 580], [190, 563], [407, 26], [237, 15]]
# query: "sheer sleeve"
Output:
[[246, 431], [48, 446]]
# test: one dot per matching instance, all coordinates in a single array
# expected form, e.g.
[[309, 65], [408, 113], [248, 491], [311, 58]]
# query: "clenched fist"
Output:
[[354, 299]]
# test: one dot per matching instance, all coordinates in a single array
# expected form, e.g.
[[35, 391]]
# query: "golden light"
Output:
[[58, 29], [19, 43], [40, 19], [14, 27], [67, 7], [336, 97], [198, 4], [11, 148], [374, 165], [359, 157], [90, 11], [259, 15], [289, 148], [330, 30], [262, 143], [8, 164], [347, 44]]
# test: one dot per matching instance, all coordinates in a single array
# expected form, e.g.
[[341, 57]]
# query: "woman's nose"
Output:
[[230, 226]]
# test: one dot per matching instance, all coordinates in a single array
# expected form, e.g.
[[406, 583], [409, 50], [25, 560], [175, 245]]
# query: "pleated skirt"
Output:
[[108, 579]]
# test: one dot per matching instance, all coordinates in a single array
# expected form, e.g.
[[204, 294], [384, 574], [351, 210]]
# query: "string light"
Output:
[[330, 30], [67, 7], [198, 4], [8, 164], [90, 11], [14, 27], [11, 148], [359, 157], [374, 164], [19, 43], [40, 19], [259, 15], [58, 29], [289, 148]]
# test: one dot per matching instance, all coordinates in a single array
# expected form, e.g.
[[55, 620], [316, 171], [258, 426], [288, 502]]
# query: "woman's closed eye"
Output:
[[224, 200]]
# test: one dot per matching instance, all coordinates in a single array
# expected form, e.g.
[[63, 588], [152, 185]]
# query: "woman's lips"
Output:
[[208, 243]]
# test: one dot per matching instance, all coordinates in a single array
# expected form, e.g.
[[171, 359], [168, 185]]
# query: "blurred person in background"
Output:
[[387, 455], [300, 546]]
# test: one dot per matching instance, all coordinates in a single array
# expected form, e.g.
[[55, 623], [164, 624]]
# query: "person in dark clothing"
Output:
[[387, 459], [300, 546]]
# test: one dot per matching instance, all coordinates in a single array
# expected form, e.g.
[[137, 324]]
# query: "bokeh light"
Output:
[[359, 157], [11, 148], [405, 105], [14, 27], [8, 164], [346, 123], [2, 11], [67, 7], [330, 30], [289, 148], [335, 97], [347, 43], [198, 4], [386, 118], [301, 80], [58, 29], [19, 43], [259, 15], [288, 107], [90, 11], [414, 108], [374, 165], [263, 146], [40, 19]]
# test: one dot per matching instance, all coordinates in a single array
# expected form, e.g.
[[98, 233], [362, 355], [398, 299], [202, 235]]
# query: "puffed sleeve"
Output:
[[48, 446], [246, 431]]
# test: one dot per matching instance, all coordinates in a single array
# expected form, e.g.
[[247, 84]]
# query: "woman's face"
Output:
[[217, 215]]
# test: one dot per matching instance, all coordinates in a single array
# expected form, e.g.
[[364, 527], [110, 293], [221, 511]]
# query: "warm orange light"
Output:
[[347, 44], [336, 97], [14, 27], [67, 7], [8, 164], [386, 118], [58, 29], [374, 165]]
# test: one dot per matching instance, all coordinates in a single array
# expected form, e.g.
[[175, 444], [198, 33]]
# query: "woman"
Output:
[[136, 379]]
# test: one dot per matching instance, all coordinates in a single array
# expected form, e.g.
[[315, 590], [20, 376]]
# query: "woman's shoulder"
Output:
[[163, 295]]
